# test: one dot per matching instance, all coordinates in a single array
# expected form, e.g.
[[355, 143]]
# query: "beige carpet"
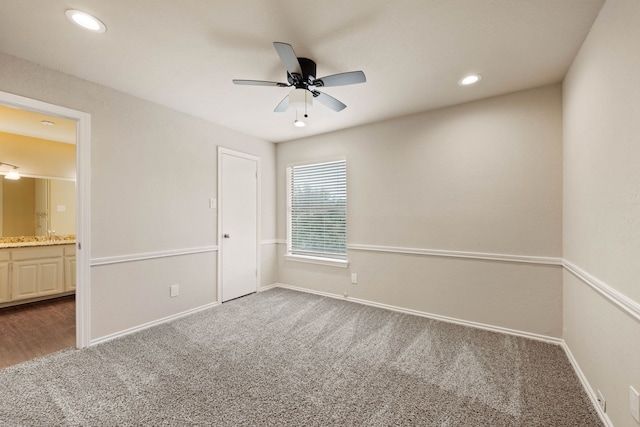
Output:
[[287, 358]]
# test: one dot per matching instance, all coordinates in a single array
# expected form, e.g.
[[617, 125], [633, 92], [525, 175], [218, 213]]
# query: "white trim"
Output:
[[151, 324], [614, 296], [552, 340], [620, 300], [228, 151], [267, 287], [281, 241], [585, 384], [269, 242], [83, 202], [321, 161], [150, 255], [342, 263], [499, 329], [458, 254]]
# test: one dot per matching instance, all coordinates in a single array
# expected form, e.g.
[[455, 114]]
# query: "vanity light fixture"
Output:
[[469, 80], [47, 123], [13, 173], [85, 20]]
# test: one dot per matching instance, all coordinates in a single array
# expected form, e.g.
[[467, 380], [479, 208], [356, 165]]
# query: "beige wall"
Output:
[[39, 157], [481, 177], [485, 177], [62, 206], [153, 171], [602, 204]]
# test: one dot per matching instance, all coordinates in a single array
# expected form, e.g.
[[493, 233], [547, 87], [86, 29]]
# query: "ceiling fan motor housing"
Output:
[[308, 68]]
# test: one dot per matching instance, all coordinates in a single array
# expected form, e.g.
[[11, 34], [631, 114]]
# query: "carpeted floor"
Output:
[[284, 358]]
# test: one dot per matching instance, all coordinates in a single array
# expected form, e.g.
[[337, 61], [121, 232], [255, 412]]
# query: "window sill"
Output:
[[342, 263]]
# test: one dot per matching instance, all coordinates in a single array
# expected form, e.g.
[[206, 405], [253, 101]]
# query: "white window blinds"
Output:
[[318, 210]]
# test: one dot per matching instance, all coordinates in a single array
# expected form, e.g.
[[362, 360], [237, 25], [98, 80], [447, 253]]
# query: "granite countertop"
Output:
[[31, 241]]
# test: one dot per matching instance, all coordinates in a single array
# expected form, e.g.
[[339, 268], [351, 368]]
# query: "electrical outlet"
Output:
[[601, 401], [634, 403], [354, 278], [174, 291]]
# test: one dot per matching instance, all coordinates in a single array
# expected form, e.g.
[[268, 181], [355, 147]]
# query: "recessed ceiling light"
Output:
[[47, 123], [469, 80], [85, 20]]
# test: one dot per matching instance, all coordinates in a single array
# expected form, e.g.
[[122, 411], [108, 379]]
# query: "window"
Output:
[[317, 218]]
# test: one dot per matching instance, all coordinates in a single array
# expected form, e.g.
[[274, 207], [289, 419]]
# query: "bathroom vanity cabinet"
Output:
[[36, 272]]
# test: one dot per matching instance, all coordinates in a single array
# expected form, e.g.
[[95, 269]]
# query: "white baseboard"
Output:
[[552, 340], [585, 384], [538, 337], [150, 324]]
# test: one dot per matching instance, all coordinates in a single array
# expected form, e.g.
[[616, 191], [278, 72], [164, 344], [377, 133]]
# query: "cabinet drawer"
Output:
[[69, 250], [4, 255], [35, 253]]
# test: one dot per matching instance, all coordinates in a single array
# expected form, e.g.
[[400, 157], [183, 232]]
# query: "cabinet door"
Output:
[[69, 274], [50, 280], [4, 282], [24, 283], [36, 278]]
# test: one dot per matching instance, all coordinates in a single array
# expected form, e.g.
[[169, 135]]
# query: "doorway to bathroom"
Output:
[[47, 264]]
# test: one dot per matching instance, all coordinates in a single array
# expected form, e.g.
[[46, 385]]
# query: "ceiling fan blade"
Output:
[[329, 101], [350, 78], [259, 83], [288, 58], [283, 105]]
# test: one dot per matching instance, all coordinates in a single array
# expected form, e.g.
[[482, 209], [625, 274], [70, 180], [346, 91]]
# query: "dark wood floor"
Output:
[[32, 330]]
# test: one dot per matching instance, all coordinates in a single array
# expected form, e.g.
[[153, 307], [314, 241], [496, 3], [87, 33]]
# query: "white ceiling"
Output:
[[184, 54]]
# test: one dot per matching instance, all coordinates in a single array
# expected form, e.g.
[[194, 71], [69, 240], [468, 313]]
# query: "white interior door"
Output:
[[238, 175]]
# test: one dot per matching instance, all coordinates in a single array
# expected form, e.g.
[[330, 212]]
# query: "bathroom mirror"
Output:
[[36, 207]]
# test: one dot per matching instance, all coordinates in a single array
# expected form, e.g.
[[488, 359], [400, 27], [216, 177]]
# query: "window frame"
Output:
[[290, 255]]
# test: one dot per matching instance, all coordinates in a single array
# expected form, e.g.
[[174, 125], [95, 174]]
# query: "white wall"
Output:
[[484, 177], [602, 204], [153, 171]]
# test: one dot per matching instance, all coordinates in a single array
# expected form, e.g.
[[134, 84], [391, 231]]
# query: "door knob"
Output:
[[226, 236]]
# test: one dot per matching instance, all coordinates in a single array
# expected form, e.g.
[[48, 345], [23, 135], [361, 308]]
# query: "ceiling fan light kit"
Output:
[[301, 74], [300, 99]]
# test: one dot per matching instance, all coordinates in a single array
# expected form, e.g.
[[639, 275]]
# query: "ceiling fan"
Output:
[[301, 74]]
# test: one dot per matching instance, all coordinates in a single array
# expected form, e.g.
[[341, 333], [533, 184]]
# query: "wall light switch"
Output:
[[354, 278], [174, 291], [61, 208], [213, 203]]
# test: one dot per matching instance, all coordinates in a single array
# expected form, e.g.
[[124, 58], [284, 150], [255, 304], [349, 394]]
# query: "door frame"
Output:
[[83, 202], [221, 151]]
